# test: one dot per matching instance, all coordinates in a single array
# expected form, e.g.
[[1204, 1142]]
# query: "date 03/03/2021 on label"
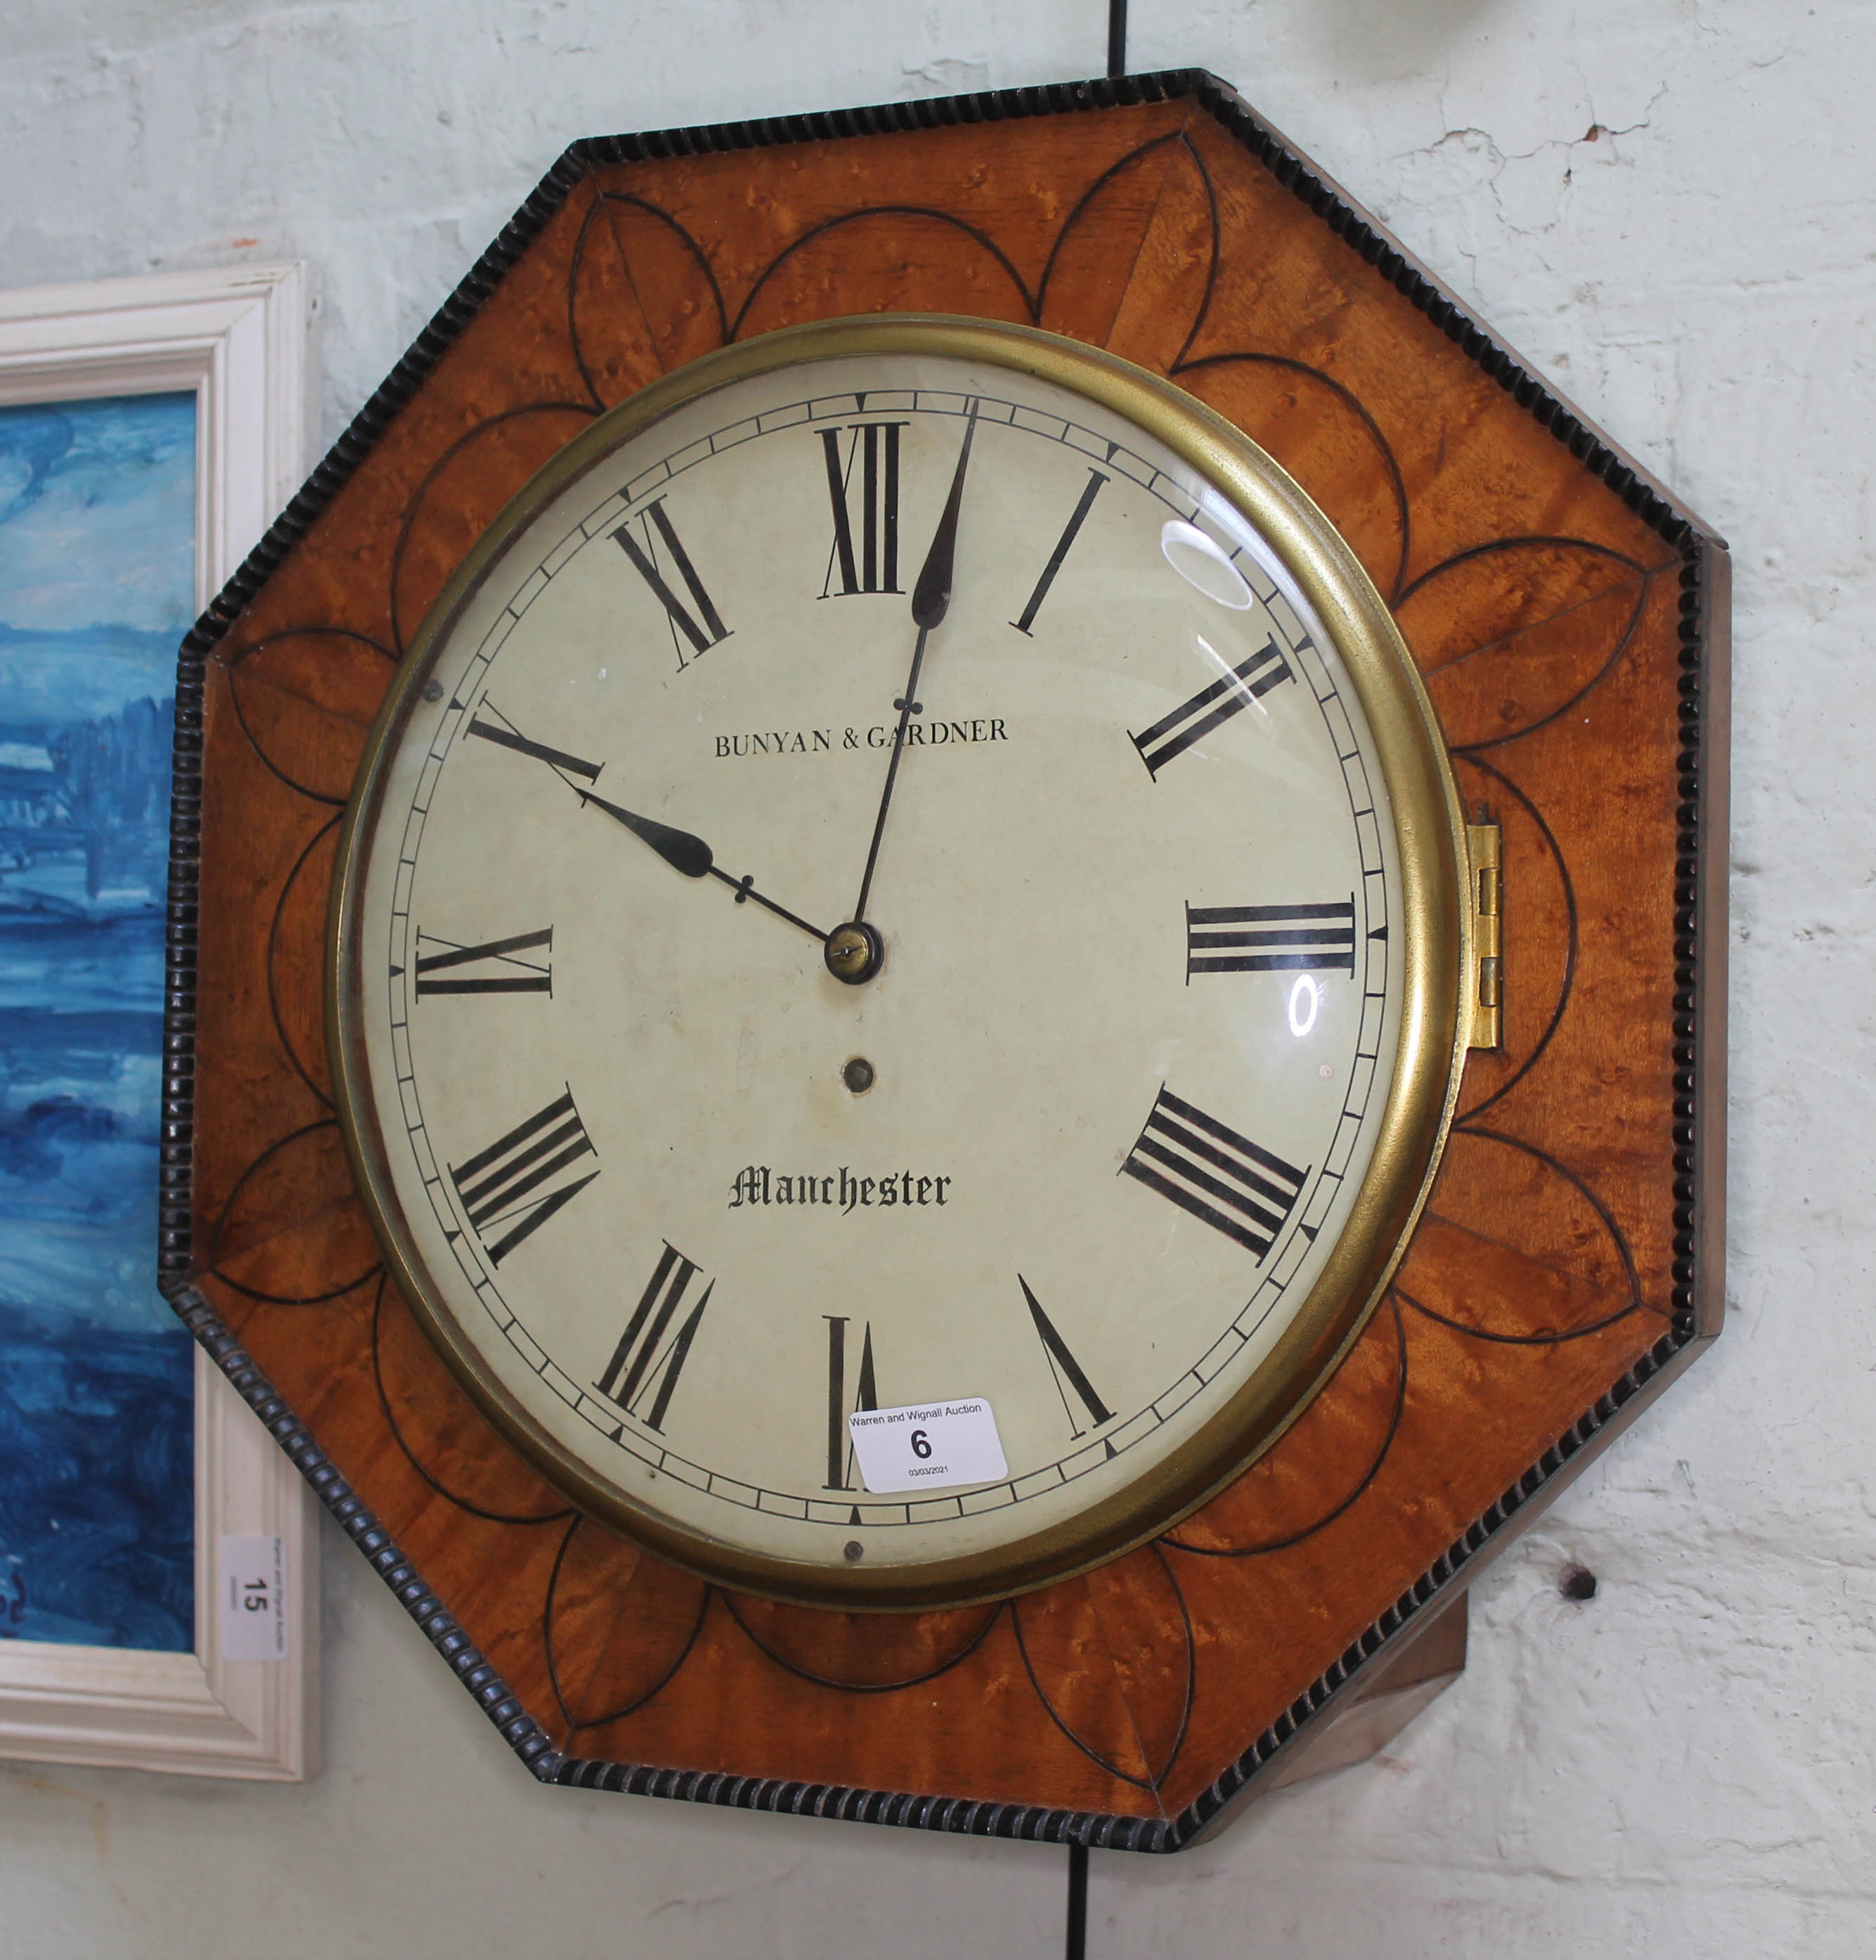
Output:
[[927, 1446]]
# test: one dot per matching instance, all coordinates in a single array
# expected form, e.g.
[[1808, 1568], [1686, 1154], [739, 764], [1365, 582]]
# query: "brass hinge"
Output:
[[1482, 841]]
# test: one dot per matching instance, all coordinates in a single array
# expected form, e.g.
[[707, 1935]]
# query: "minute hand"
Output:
[[931, 600], [932, 594]]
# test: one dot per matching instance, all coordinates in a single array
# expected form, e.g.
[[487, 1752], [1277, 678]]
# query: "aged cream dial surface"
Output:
[[708, 1087]]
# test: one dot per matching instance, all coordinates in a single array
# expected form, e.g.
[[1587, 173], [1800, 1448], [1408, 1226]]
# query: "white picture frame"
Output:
[[241, 340]]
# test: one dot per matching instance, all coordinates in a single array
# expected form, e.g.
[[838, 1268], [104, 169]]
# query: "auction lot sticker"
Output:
[[927, 1446]]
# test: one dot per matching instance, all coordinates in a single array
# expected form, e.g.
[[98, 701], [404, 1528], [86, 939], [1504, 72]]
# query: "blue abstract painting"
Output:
[[97, 509]]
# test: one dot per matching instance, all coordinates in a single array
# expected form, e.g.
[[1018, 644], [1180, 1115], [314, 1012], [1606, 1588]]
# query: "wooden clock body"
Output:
[[1569, 619]]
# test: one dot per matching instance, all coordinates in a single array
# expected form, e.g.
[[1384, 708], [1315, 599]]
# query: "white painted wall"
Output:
[[1681, 1766]]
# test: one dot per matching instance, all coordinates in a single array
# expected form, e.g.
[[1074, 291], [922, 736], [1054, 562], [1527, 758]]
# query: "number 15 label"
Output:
[[253, 1598], [927, 1446]]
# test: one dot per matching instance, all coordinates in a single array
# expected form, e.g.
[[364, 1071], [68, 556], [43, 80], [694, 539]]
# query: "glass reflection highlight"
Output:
[[1204, 564], [1305, 1002]]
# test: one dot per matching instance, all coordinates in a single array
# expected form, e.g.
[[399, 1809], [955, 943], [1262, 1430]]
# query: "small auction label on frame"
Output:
[[253, 1598], [927, 1446]]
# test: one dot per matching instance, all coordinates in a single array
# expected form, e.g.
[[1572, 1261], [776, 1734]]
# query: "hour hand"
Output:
[[679, 848], [689, 854]]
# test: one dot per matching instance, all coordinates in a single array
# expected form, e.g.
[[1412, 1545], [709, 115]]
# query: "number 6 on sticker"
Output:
[[928, 1446]]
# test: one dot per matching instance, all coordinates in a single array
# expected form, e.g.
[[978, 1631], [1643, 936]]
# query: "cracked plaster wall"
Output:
[[1666, 203]]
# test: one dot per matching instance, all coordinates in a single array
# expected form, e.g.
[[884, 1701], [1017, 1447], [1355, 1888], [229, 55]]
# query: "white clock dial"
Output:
[[761, 1006]]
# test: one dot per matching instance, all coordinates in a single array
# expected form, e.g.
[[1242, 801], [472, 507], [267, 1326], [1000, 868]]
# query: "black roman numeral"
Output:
[[1207, 1168], [875, 446], [643, 1364], [866, 1396], [1068, 1371], [1076, 520], [502, 1186], [1192, 720], [702, 637], [504, 735], [1270, 939], [507, 973]]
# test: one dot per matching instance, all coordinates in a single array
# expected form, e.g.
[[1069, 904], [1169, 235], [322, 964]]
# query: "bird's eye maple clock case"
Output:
[[946, 990]]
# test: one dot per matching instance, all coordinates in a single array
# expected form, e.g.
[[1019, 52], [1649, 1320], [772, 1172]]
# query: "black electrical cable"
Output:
[[1078, 1854], [1076, 1944], [1077, 1859]]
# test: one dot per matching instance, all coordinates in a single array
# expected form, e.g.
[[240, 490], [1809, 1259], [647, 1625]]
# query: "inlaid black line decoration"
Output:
[[1631, 1293], [465, 1505], [972, 1640], [249, 661], [1180, 1539], [288, 1046], [324, 1129], [1157, 1773], [1186, 370], [605, 204], [1640, 581], [664, 1671], [413, 510]]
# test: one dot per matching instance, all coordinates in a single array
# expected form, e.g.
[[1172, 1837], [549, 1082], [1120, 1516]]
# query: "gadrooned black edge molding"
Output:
[[1696, 967], [496, 1699]]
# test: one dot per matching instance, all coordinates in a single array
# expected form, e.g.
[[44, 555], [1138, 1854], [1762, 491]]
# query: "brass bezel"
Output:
[[1437, 951]]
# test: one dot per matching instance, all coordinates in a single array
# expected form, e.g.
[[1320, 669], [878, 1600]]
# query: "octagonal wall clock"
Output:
[[946, 970]]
